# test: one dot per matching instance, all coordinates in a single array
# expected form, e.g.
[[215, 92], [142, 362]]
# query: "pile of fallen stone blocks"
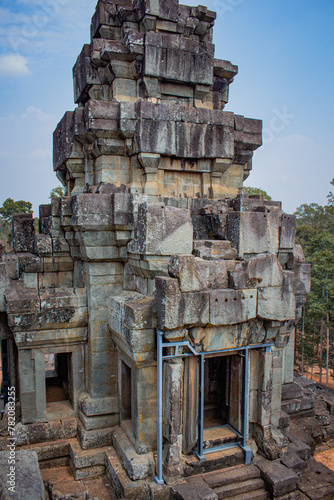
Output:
[[298, 397]]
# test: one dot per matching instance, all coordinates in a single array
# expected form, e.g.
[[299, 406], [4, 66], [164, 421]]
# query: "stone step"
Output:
[[61, 485], [87, 472], [239, 488], [45, 432], [260, 494], [293, 461], [192, 489], [137, 466], [51, 453], [124, 487], [87, 463], [296, 432], [229, 476], [86, 458], [214, 461], [218, 436], [118, 478]]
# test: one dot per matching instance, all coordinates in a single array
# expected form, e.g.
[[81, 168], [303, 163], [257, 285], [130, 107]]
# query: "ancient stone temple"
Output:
[[162, 298]]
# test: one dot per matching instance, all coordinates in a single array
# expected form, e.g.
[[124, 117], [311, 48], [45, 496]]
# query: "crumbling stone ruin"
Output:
[[163, 299]]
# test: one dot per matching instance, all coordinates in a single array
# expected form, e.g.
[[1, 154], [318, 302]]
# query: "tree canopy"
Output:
[[315, 233], [57, 192], [257, 191]]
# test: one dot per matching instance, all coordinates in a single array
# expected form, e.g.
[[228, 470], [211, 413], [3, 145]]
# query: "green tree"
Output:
[[8, 209], [315, 233], [57, 192], [317, 217], [330, 195], [257, 191]]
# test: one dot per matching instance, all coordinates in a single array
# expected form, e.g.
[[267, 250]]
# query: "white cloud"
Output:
[[44, 28], [13, 65]]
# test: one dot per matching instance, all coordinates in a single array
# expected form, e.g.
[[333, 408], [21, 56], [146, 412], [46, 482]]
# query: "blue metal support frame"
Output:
[[200, 454], [158, 478], [247, 450]]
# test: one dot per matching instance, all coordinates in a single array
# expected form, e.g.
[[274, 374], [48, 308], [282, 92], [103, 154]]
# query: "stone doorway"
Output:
[[223, 399], [57, 377], [125, 394]]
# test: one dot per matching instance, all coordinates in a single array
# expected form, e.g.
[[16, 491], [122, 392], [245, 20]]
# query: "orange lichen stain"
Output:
[[326, 457]]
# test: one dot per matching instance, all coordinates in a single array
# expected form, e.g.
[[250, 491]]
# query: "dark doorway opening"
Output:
[[125, 391], [222, 401], [57, 376], [216, 391], [4, 375]]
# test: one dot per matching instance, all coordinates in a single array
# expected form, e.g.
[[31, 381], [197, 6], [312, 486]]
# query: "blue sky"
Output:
[[284, 50]]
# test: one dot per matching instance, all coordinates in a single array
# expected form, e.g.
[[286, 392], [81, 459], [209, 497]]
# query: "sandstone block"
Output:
[[263, 270], [23, 233], [44, 245], [212, 273], [167, 300], [291, 391], [55, 264], [95, 438], [163, 230], [28, 482], [228, 307], [84, 74], [175, 309], [4, 284], [302, 281], [279, 479], [275, 303], [135, 310], [183, 267], [254, 232], [173, 373], [99, 422], [30, 263], [12, 265], [196, 67], [92, 212], [298, 255], [212, 250], [122, 211], [137, 466], [287, 231]]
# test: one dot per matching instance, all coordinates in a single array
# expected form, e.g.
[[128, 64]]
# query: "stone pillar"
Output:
[[276, 386], [32, 385], [288, 359], [103, 280], [172, 424], [144, 408], [190, 404], [268, 438]]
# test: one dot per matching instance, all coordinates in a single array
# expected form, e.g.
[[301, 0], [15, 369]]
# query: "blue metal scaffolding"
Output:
[[201, 452]]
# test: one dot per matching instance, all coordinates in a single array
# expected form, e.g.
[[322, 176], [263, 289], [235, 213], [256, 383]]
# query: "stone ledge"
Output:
[[137, 466]]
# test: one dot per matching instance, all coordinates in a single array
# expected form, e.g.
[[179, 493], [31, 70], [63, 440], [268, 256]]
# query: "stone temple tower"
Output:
[[166, 298]]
